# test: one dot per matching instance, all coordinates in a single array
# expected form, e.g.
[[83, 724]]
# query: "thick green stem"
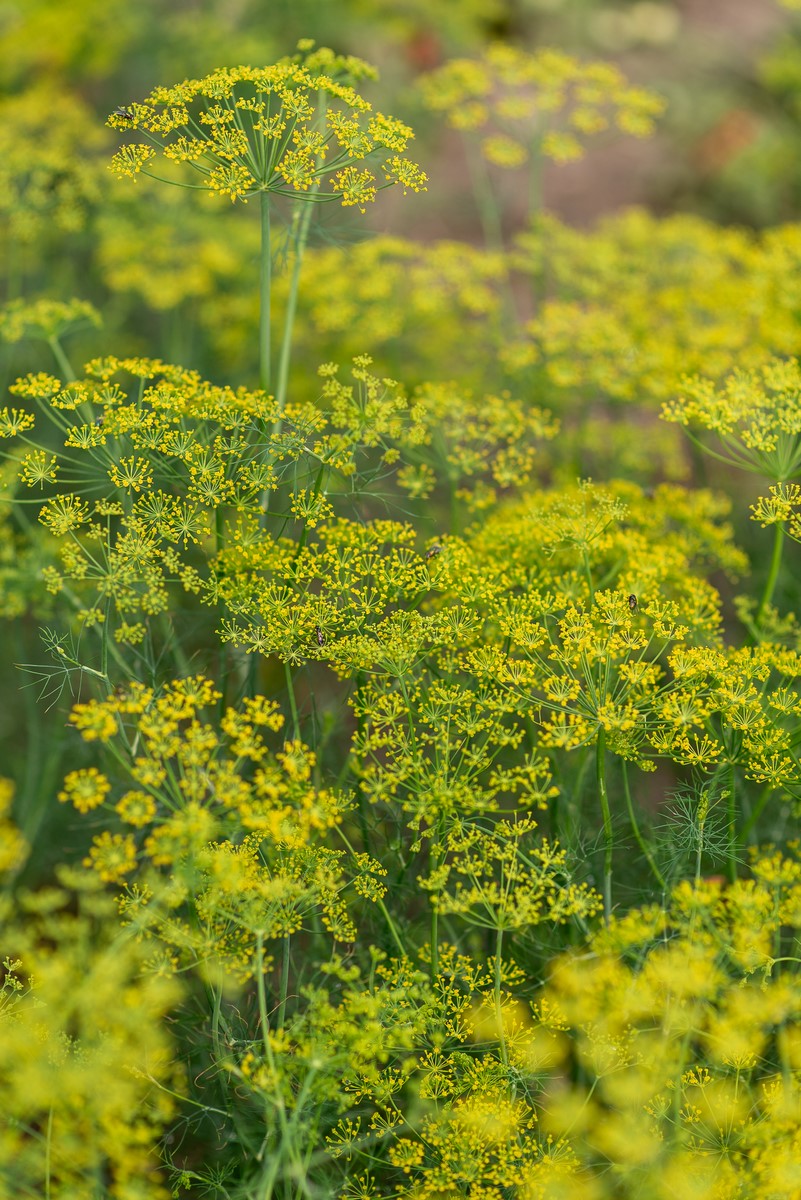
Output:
[[265, 287], [600, 775], [641, 842], [773, 573], [271, 1104]]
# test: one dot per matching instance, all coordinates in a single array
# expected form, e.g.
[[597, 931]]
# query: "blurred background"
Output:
[[727, 147]]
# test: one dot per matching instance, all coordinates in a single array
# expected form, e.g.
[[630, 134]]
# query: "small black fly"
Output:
[[318, 633], [632, 602], [433, 551], [124, 114]]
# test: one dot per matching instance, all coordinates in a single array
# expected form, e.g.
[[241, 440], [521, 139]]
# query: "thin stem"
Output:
[[731, 821], [600, 775], [699, 849], [64, 364], [290, 687], [756, 812], [486, 203], [454, 508], [434, 863], [284, 983], [48, 1145], [498, 1010], [641, 842], [265, 287], [381, 905], [588, 573], [392, 928], [303, 220], [535, 197], [773, 573]]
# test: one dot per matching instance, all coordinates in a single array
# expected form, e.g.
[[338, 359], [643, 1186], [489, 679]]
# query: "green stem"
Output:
[[284, 983], [641, 842], [756, 812], [488, 212], [262, 996], [290, 687], [265, 287], [381, 905], [600, 775], [392, 929], [454, 508], [434, 936], [48, 1145], [64, 364], [773, 573], [588, 573], [273, 1161], [699, 850], [498, 1010], [303, 220], [731, 821], [535, 197]]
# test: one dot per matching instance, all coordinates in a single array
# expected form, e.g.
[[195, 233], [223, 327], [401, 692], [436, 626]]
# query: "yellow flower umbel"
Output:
[[529, 106], [756, 419], [297, 130], [287, 129]]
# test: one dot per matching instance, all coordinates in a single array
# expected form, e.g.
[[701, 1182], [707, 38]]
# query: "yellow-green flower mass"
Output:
[[545, 101], [408, 772], [298, 127]]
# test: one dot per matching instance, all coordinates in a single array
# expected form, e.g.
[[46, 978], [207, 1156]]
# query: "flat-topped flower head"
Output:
[[298, 127]]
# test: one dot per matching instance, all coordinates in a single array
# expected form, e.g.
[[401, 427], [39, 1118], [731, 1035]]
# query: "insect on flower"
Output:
[[632, 602], [433, 551], [318, 633], [125, 114]]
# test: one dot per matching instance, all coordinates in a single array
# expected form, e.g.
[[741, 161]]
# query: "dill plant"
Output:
[[267, 132], [357, 858]]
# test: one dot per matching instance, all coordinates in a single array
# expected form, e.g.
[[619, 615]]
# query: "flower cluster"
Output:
[[756, 417], [408, 749], [289, 129], [515, 98]]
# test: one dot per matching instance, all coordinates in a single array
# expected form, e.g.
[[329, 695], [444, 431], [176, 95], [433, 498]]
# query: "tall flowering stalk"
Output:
[[297, 130]]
